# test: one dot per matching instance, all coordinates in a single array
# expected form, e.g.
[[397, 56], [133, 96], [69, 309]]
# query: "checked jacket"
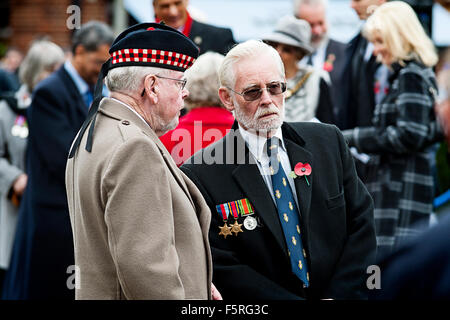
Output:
[[399, 172]]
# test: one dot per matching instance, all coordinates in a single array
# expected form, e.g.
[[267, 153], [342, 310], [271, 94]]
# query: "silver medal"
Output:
[[250, 223], [15, 130], [23, 132]]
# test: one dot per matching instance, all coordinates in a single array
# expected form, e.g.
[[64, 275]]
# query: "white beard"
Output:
[[260, 125]]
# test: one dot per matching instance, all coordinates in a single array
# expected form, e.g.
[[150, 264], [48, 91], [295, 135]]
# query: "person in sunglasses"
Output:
[[290, 217], [308, 94]]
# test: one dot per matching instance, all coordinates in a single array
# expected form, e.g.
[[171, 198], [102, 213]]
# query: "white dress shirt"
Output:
[[256, 146]]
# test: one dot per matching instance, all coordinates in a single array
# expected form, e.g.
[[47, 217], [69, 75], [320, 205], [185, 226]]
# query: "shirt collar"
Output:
[[81, 85], [257, 143]]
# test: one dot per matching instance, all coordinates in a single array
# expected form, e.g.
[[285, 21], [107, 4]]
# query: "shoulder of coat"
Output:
[[128, 129]]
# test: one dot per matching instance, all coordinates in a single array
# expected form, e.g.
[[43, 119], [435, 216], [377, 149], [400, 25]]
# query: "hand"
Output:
[[215, 293], [20, 184]]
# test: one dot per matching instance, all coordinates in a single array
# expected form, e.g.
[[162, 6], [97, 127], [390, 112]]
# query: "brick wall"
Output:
[[31, 19]]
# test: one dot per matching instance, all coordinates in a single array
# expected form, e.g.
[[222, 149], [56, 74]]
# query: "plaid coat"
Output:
[[399, 172]]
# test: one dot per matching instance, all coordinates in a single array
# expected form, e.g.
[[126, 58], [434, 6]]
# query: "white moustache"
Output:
[[264, 112]]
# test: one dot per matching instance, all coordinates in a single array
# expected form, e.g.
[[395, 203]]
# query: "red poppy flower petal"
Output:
[[301, 169], [298, 169], [308, 169]]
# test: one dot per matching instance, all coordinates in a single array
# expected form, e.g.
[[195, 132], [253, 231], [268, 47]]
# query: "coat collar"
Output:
[[114, 109]]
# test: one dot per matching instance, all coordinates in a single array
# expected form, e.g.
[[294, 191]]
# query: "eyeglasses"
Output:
[[252, 94], [181, 83]]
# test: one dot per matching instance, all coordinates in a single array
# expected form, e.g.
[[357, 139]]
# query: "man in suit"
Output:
[[43, 249], [207, 37], [279, 232], [329, 54], [368, 79], [140, 225]]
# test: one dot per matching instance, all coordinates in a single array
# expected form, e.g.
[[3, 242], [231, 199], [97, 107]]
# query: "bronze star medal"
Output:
[[225, 230], [236, 228]]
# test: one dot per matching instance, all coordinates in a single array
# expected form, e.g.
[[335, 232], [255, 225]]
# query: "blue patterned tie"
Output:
[[288, 213], [89, 96]]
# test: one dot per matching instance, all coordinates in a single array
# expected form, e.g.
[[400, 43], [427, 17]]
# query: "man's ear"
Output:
[[79, 50], [226, 99], [151, 89]]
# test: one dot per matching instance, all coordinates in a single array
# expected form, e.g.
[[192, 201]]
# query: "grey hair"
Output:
[[92, 35], [42, 56], [203, 81], [130, 79], [297, 4], [244, 50]]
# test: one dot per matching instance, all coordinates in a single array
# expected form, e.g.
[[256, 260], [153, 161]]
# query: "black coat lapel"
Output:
[[249, 179], [73, 90], [252, 184]]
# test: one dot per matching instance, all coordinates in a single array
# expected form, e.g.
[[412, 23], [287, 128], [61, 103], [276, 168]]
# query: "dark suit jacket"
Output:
[[360, 98], [420, 269], [211, 38], [337, 75], [43, 248], [336, 212]]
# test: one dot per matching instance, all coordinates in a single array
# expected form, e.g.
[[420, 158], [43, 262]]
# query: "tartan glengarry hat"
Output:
[[144, 44], [153, 45]]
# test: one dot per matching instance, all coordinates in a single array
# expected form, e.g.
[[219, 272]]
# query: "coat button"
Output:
[[125, 122]]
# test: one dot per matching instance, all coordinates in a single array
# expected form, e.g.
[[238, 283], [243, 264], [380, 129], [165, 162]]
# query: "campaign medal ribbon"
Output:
[[236, 208]]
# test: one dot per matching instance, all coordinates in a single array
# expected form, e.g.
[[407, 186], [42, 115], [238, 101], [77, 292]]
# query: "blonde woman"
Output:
[[399, 177]]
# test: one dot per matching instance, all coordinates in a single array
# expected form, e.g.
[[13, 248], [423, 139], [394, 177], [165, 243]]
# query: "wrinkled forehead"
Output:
[[257, 70]]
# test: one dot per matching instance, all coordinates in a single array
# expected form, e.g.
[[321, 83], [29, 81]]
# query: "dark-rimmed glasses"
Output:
[[252, 94], [182, 82]]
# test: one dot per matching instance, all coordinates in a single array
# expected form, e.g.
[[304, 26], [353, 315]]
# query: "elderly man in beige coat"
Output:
[[140, 225]]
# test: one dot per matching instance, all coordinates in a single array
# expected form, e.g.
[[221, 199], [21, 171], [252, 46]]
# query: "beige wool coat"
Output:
[[140, 226]]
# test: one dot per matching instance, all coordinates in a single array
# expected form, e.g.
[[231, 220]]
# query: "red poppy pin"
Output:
[[328, 64], [301, 169]]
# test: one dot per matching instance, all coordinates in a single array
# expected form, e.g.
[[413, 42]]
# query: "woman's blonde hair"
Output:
[[398, 25]]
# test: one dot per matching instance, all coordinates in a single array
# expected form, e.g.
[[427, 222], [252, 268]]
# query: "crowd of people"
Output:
[[171, 162]]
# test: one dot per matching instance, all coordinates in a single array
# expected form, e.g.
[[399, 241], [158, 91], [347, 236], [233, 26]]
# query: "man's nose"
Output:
[[173, 10], [184, 93], [266, 97]]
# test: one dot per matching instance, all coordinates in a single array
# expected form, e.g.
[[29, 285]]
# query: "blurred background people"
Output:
[[42, 59], [207, 37], [328, 54], [399, 172], [420, 269], [43, 246], [207, 120], [367, 81], [308, 94], [9, 78]]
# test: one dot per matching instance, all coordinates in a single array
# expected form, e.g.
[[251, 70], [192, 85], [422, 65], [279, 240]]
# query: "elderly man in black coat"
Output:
[[290, 218]]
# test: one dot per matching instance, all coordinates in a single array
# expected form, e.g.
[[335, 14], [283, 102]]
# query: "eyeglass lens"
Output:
[[274, 88]]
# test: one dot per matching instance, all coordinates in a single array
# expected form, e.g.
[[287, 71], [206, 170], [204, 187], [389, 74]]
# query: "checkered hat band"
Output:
[[152, 56]]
